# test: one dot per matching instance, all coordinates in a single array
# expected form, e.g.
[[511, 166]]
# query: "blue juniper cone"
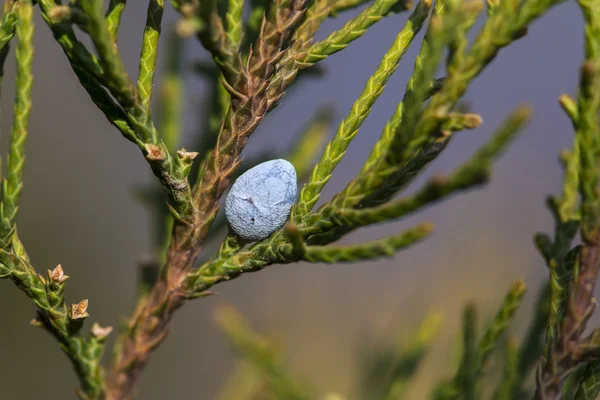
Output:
[[260, 200]]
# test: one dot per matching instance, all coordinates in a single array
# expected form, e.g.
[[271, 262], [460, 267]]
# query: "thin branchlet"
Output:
[[248, 108], [113, 17], [46, 293], [249, 105], [349, 127], [578, 269], [115, 77], [149, 56]]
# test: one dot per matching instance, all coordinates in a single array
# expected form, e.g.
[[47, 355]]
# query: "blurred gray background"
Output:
[[78, 209]]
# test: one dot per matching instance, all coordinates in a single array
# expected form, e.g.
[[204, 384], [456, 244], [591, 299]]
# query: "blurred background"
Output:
[[79, 209]]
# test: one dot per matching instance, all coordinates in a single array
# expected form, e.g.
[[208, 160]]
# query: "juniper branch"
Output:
[[567, 348], [170, 126], [565, 210], [397, 166], [589, 389], [304, 54], [113, 17], [345, 5], [89, 72], [116, 78], [248, 106], [499, 30], [256, 81], [499, 325], [469, 360], [351, 31], [268, 252], [278, 250], [234, 20], [53, 315], [171, 96], [332, 222], [13, 183], [385, 247], [128, 116], [204, 20], [355, 189], [7, 26], [474, 172], [47, 294], [573, 381], [149, 55], [348, 129], [378, 174], [288, 66], [533, 344]]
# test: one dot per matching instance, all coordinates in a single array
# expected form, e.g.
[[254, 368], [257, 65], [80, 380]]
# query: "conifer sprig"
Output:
[[349, 127], [113, 17], [574, 272], [254, 61], [47, 293]]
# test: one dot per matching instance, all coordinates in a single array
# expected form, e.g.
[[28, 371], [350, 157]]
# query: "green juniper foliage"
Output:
[[257, 56]]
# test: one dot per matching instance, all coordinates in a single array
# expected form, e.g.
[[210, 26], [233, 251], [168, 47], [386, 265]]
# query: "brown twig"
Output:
[[149, 325], [249, 105]]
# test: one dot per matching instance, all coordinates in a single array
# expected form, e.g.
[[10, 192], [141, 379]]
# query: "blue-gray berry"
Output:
[[260, 199]]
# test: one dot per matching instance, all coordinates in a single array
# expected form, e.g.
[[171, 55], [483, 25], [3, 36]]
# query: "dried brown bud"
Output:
[[57, 274], [36, 322], [186, 156], [472, 121], [155, 153], [100, 332], [79, 310], [59, 13]]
